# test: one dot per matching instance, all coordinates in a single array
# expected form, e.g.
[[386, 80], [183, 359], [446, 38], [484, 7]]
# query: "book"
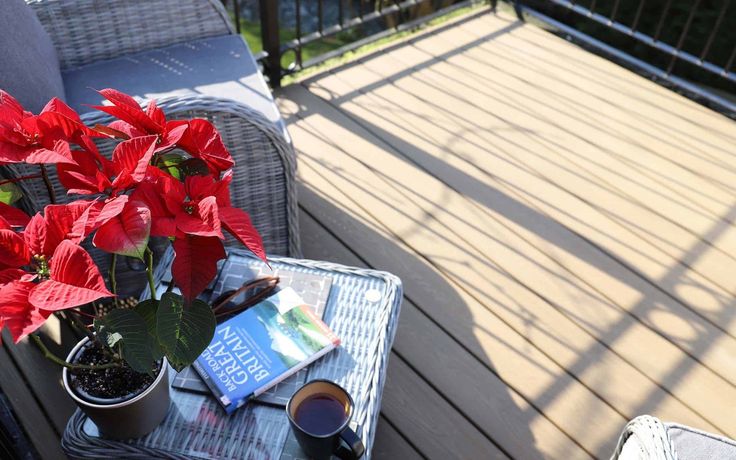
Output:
[[238, 270], [262, 346]]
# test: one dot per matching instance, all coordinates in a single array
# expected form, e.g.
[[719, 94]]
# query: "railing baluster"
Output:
[[614, 12], [298, 27], [683, 35], [637, 16], [269, 11], [661, 20], [297, 19], [320, 13], [729, 64], [340, 13], [236, 13], [716, 26], [592, 6]]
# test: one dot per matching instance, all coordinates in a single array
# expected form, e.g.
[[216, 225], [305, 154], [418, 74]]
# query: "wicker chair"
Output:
[[185, 54], [647, 438]]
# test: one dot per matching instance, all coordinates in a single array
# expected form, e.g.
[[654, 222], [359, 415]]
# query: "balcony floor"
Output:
[[563, 227]]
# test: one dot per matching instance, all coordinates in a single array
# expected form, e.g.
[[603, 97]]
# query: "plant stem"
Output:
[[49, 187], [80, 312], [18, 179], [80, 325], [52, 357], [113, 280], [149, 271], [86, 329]]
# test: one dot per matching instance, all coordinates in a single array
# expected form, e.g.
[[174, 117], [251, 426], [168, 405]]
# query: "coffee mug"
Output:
[[319, 413]]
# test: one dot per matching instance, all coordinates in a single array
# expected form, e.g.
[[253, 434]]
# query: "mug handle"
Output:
[[355, 448]]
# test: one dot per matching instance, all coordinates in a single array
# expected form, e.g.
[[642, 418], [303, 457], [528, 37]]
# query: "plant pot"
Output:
[[122, 418]]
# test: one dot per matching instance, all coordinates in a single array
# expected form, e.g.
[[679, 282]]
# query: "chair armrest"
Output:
[[644, 437], [84, 31]]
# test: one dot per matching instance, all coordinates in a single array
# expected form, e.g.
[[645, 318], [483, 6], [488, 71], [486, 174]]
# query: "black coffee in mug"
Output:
[[320, 414]]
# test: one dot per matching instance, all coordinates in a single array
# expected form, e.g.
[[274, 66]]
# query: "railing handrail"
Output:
[[274, 48], [611, 19], [673, 49]]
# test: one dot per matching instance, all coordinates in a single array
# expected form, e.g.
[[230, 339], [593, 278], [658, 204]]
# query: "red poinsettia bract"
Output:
[[42, 271], [135, 122], [195, 212], [198, 137], [36, 139], [43, 268]]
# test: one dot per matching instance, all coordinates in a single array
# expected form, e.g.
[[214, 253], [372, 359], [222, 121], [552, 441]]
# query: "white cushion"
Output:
[[692, 444]]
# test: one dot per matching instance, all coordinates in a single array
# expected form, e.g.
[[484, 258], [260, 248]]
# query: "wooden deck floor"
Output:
[[564, 229]]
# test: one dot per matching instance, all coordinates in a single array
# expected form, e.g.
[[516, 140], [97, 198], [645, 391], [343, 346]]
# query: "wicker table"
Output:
[[363, 309]]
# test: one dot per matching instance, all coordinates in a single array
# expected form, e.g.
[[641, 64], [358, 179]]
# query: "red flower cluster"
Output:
[[165, 178]]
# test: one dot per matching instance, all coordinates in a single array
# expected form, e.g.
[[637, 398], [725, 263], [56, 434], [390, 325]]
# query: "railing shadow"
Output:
[[656, 292], [418, 320]]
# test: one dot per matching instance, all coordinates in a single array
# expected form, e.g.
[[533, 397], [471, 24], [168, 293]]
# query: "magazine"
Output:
[[261, 346]]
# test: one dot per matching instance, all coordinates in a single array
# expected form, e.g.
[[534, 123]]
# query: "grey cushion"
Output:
[[29, 66], [220, 67], [692, 444]]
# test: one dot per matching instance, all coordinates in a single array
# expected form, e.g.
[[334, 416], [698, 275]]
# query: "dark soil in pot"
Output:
[[107, 386]]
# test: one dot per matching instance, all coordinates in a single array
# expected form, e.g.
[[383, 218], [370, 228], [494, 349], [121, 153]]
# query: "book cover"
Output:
[[236, 271], [260, 347]]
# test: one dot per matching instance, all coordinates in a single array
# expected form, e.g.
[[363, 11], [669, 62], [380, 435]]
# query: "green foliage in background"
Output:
[[251, 31]]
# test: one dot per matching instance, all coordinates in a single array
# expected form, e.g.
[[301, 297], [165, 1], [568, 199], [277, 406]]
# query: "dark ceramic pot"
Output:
[[122, 418]]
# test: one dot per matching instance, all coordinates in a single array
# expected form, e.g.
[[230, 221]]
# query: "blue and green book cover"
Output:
[[260, 347]]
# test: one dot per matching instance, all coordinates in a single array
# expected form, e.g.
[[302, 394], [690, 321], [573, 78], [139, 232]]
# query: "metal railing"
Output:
[[680, 32], [664, 18], [371, 19], [692, 44]]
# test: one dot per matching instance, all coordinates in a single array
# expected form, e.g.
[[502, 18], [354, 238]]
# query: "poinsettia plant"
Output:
[[165, 178]]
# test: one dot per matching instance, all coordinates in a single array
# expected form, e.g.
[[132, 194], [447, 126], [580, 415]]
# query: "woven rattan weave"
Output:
[[363, 309]]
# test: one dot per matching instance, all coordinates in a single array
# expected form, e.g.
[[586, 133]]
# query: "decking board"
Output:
[[550, 322], [522, 178], [616, 319], [469, 101], [455, 372], [30, 415], [41, 375], [580, 215], [391, 444], [492, 341]]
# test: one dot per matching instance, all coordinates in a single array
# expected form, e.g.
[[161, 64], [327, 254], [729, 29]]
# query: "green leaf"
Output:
[[133, 332], [169, 162], [184, 331], [147, 309], [10, 193]]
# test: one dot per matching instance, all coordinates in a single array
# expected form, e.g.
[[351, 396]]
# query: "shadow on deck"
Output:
[[563, 227]]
